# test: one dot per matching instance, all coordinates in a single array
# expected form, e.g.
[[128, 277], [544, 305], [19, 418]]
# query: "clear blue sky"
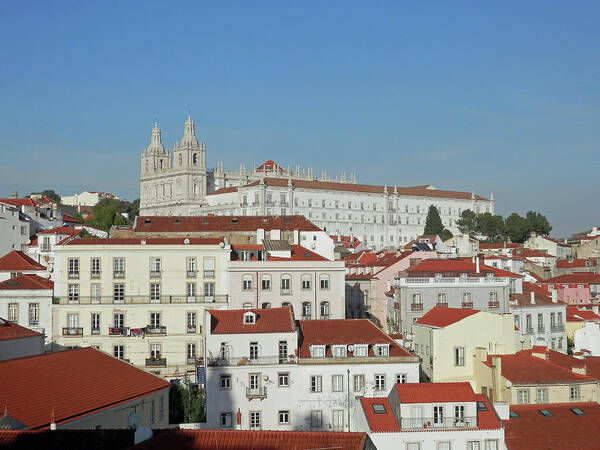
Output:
[[498, 97]]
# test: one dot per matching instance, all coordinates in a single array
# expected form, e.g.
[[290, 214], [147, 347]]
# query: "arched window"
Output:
[[146, 166], [285, 304], [306, 281], [246, 282], [324, 310], [265, 282], [306, 310], [265, 305], [324, 282], [195, 159], [247, 306], [180, 159], [286, 284], [160, 164]]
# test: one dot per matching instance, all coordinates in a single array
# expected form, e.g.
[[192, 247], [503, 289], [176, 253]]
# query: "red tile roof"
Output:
[[360, 276], [524, 368], [434, 392], [416, 191], [343, 332], [191, 224], [26, 281], [253, 440], [17, 261], [487, 419], [454, 267], [61, 230], [299, 253], [576, 277], [10, 330], [533, 431], [148, 241], [224, 190], [541, 296], [379, 422], [442, 317], [574, 263], [574, 314], [18, 201], [531, 253], [268, 320], [72, 384]]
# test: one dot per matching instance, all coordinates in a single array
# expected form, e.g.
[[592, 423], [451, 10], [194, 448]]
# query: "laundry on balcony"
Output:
[[137, 332]]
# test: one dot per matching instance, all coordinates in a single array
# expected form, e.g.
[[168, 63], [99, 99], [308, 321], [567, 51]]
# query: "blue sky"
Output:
[[498, 97]]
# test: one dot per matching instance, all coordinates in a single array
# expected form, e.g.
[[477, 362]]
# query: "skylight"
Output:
[[545, 413], [577, 412], [379, 408], [513, 414], [481, 406]]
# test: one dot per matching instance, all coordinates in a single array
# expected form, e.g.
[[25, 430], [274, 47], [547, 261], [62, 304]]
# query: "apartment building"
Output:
[[578, 288], [267, 371], [455, 283], [42, 247], [276, 273], [13, 229], [139, 299], [423, 416]]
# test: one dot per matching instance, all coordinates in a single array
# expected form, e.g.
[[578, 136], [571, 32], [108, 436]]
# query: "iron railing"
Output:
[[140, 299], [439, 422], [156, 362], [72, 331], [260, 392]]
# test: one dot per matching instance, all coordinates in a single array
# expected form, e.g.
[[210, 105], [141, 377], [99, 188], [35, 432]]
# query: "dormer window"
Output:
[[339, 351], [317, 351], [361, 351], [249, 318], [463, 275], [382, 349]]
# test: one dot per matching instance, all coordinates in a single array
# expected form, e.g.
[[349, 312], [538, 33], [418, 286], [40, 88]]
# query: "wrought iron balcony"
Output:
[[73, 275], [95, 330], [156, 362], [557, 328], [259, 393], [191, 329], [118, 331], [439, 422], [155, 274], [209, 274], [245, 361], [416, 307], [191, 274], [139, 299], [72, 331], [191, 361], [119, 274], [493, 305], [442, 304], [95, 274], [467, 305], [156, 330]]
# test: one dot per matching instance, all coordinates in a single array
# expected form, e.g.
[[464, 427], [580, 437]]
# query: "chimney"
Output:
[[579, 370], [14, 194], [554, 296], [532, 298], [477, 264], [52, 422]]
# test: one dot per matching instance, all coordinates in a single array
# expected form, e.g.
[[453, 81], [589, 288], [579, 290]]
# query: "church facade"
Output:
[[178, 183]]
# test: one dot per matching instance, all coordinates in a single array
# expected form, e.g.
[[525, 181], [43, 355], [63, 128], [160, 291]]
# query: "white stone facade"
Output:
[[14, 232]]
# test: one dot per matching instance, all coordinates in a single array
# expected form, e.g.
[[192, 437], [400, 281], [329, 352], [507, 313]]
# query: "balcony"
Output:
[[529, 330], [286, 291], [156, 330], [466, 305], [444, 422], [191, 361], [245, 361], [139, 299], [95, 275], [95, 330], [541, 330], [258, 393], [45, 248], [72, 331], [442, 304], [156, 362], [416, 307], [557, 328], [324, 316], [155, 274], [191, 329], [306, 317], [209, 274], [493, 305], [191, 274], [73, 275], [118, 331], [119, 274]]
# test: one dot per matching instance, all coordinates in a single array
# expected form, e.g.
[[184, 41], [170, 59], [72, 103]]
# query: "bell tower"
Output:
[[189, 158], [154, 158]]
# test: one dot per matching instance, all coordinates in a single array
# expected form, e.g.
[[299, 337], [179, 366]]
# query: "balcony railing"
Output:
[[443, 422], [95, 275], [442, 304], [95, 330], [306, 317], [209, 274], [416, 307], [156, 362], [118, 331], [191, 274], [557, 328], [191, 329], [140, 299], [541, 330], [493, 305], [119, 274], [466, 305], [286, 291], [156, 330], [191, 361], [72, 331], [245, 361], [450, 280], [260, 392], [155, 274], [73, 275], [529, 330]]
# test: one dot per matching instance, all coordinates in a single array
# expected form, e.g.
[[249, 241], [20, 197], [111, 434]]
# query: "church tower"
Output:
[[189, 161], [154, 157]]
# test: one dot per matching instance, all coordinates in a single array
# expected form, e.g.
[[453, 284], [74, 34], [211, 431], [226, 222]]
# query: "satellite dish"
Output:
[[186, 241], [508, 384], [133, 421], [350, 348]]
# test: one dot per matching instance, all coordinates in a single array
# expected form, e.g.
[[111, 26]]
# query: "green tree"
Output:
[[539, 223], [467, 224], [492, 227], [445, 234], [107, 212], [517, 227], [433, 223], [193, 400], [48, 193]]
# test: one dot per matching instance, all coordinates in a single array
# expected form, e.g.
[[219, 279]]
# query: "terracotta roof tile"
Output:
[[18, 201], [379, 422], [442, 317], [148, 241], [61, 230], [435, 392], [574, 263], [10, 330], [576, 277], [268, 320], [17, 261], [454, 267], [574, 314], [72, 383], [26, 281]]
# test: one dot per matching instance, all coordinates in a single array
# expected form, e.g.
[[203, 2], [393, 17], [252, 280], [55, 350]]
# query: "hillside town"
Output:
[[269, 307]]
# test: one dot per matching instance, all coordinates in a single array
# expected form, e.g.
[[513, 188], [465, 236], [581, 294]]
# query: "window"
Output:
[[339, 351], [359, 383], [249, 318], [382, 350], [337, 383], [324, 282], [95, 268], [209, 291], [305, 281], [324, 310], [73, 292], [225, 420], [265, 305], [155, 292], [306, 310], [416, 298], [284, 417], [317, 351], [517, 322], [466, 297], [360, 351], [95, 292], [380, 382], [577, 412], [247, 305], [441, 297], [34, 314], [338, 420], [491, 444], [225, 382], [95, 325], [190, 264], [286, 284], [119, 320], [438, 414], [154, 319], [265, 283], [316, 418], [459, 413], [155, 351], [459, 356], [574, 393], [247, 282], [119, 267], [545, 413], [401, 378], [253, 350], [118, 292], [209, 267], [283, 379], [473, 445], [13, 312], [523, 396], [73, 267], [119, 351], [316, 383], [190, 289], [442, 445], [255, 420], [541, 395], [191, 351]]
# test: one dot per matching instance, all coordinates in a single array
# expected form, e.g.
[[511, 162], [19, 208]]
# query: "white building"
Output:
[[139, 299], [266, 371], [587, 339], [27, 300], [18, 342], [14, 230], [431, 416], [16, 263], [86, 198], [275, 274], [179, 183], [461, 245], [41, 249], [40, 214]]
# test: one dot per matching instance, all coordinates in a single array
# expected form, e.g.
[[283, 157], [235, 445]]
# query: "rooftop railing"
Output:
[[440, 422], [140, 300]]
